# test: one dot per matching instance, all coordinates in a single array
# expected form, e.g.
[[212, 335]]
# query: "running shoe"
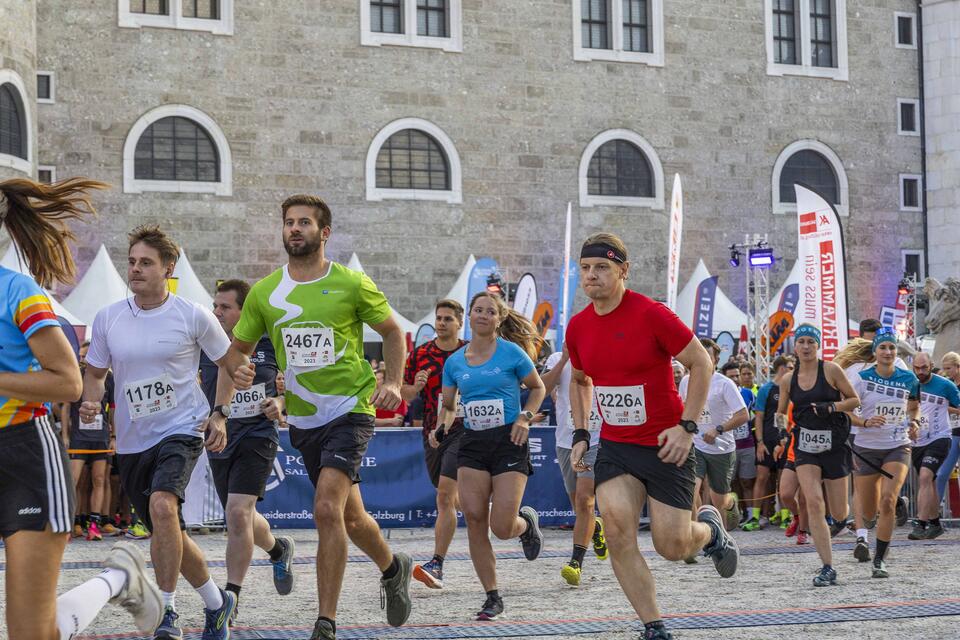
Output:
[[217, 625], [282, 568], [323, 630], [880, 569], [93, 532], [792, 527], [901, 511], [109, 530], [656, 634], [775, 518], [168, 629], [724, 550], [732, 515], [78, 531], [139, 596], [600, 540], [492, 607], [571, 573], [826, 577], [751, 525], [870, 523], [918, 530], [933, 531], [837, 527], [138, 531], [395, 592], [802, 537], [861, 550], [532, 538], [430, 574]]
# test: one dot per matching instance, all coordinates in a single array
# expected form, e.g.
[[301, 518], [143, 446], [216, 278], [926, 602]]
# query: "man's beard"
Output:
[[306, 249]]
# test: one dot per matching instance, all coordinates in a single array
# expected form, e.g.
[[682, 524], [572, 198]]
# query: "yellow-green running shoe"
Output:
[[138, 532], [599, 542], [571, 573]]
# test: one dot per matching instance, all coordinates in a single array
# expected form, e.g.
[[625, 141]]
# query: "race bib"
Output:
[[246, 404], [705, 421], [742, 432], [96, 425], [310, 347], [150, 396], [456, 414], [815, 441], [595, 420], [485, 414], [622, 406], [894, 412]]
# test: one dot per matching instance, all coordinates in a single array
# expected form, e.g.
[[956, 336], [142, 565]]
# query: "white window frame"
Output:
[[409, 37], [840, 72], [132, 184], [896, 29], [176, 20], [900, 181], [7, 160], [452, 196], [588, 200], [809, 145], [47, 167], [922, 276], [916, 117], [53, 88], [654, 58]]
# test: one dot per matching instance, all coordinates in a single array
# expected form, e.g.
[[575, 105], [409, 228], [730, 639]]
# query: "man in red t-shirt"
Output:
[[423, 376], [620, 348]]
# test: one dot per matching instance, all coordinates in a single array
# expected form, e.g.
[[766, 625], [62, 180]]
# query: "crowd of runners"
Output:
[[649, 425]]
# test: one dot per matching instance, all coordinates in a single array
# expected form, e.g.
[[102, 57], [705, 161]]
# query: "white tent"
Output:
[[726, 315], [188, 284], [457, 292], [13, 261], [369, 335], [100, 287]]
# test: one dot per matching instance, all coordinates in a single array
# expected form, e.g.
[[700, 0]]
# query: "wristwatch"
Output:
[[222, 409], [528, 415], [690, 426], [719, 428]]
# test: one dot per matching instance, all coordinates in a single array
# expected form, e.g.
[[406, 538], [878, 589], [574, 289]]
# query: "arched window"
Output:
[[16, 145], [412, 159], [177, 148], [814, 164], [620, 168]]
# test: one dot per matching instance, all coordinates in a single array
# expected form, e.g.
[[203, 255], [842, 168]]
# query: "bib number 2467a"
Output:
[[309, 347], [150, 397]]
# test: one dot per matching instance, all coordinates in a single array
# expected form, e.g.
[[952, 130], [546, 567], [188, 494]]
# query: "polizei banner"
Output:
[[823, 282]]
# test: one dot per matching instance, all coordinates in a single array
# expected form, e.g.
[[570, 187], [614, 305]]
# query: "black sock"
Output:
[[333, 623], [493, 594], [392, 570], [77, 520], [84, 520], [935, 522], [95, 518], [235, 588], [655, 624], [578, 553], [277, 551], [438, 560], [881, 549], [922, 523]]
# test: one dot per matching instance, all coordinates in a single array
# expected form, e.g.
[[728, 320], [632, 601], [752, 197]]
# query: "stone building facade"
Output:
[[298, 96]]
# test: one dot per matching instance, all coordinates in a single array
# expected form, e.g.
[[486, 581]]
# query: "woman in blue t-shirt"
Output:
[[494, 458]]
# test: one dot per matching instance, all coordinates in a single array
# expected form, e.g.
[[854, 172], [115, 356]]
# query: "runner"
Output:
[[90, 444], [745, 469], [241, 470], [422, 378], [715, 444], [950, 366], [37, 366], [152, 342], [820, 393], [494, 458], [791, 497], [622, 343], [314, 310], [767, 436], [579, 484], [937, 396], [889, 419]]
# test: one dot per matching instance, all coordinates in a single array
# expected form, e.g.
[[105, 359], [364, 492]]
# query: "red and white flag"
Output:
[[673, 242]]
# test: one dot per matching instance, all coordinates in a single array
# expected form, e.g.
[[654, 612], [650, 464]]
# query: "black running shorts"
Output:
[[36, 488], [442, 461], [666, 483], [491, 451], [246, 470], [931, 456], [90, 457], [166, 466], [833, 464], [340, 444]]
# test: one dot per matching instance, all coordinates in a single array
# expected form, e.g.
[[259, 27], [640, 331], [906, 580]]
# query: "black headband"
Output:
[[602, 250]]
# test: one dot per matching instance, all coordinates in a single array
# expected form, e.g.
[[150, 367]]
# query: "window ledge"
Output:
[[831, 73], [783, 208], [621, 201], [138, 185], [586, 54], [374, 39], [175, 20], [16, 163], [377, 194]]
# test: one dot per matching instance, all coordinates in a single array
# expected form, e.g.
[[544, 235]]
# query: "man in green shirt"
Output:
[[314, 310]]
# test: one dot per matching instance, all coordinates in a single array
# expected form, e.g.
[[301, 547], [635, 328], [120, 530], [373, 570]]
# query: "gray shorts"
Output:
[[746, 464], [879, 457], [566, 467], [718, 469]]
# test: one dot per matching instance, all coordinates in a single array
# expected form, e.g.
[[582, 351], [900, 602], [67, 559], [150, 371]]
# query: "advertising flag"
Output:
[[482, 270], [704, 306], [673, 240], [525, 301]]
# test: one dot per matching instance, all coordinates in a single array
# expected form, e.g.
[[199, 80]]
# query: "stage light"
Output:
[[904, 288], [734, 257], [495, 284], [761, 257]]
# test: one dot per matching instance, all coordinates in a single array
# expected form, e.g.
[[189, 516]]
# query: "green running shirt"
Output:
[[317, 332]]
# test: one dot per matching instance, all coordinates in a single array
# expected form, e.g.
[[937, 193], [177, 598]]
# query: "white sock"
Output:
[[210, 592], [77, 608], [169, 599], [116, 578], [862, 533]]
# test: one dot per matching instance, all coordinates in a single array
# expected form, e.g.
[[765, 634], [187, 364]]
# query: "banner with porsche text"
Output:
[[823, 283]]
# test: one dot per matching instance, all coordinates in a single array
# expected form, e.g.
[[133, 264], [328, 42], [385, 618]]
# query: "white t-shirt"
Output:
[[853, 376], [564, 432], [723, 400], [155, 356]]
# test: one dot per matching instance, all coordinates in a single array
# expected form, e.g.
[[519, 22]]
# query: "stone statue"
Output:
[[943, 315]]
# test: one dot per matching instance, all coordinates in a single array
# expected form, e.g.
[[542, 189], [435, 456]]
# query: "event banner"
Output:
[[525, 301], [395, 487], [823, 288], [673, 239], [704, 306], [789, 297]]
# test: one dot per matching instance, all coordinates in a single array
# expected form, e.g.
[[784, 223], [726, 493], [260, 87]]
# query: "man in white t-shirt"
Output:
[[579, 484], [152, 343], [715, 445]]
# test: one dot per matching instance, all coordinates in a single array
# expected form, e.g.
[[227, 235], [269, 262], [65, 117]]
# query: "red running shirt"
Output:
[[628, 348]]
